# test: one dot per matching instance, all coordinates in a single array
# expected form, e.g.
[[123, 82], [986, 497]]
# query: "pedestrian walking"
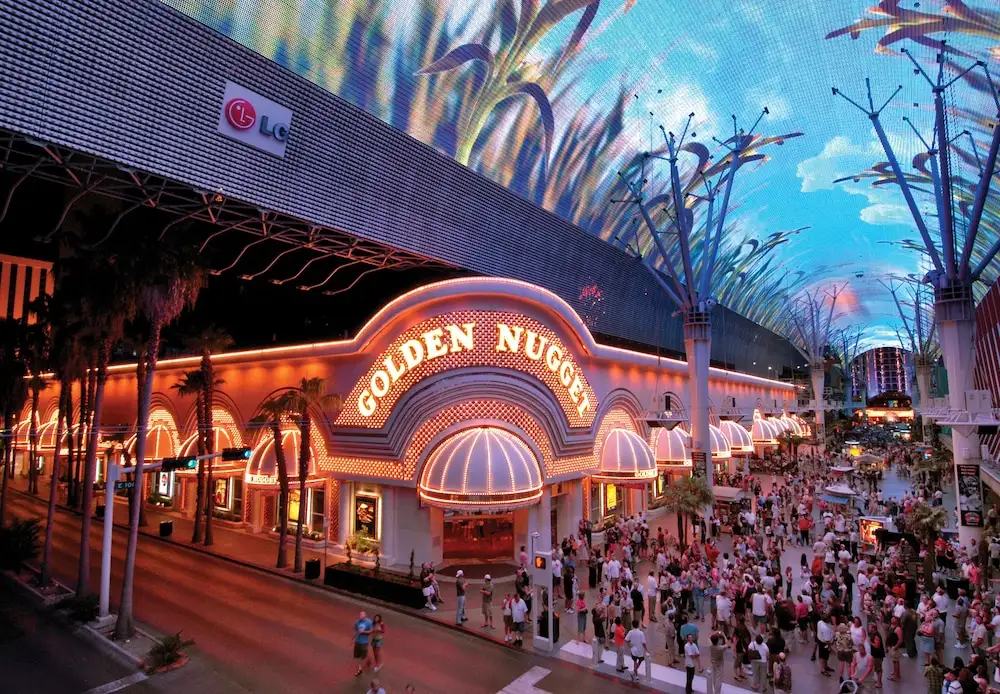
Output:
[[360, 639], [508, 621], [378, 634], [461, 585], [862, 666], [782, 674], [636, 640], [581, 617], [692, 663], [518, 612], [716, 655]]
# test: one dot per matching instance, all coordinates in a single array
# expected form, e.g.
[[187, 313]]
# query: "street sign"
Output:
[[124, 484]]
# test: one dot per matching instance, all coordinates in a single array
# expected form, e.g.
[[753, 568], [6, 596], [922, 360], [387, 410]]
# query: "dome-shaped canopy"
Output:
[[778, 425], [791, 426], [804, 428], [672, 447], [159, 443], [263, 467], [626, 460], [720, 444], [738, 437], [763, 433], [482, 468]]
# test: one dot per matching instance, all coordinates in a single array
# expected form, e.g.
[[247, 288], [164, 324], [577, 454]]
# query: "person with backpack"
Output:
[[782, 674]]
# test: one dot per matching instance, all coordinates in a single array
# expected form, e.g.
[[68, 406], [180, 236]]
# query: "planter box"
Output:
[[232, 525], [366, 584], [25, 582]]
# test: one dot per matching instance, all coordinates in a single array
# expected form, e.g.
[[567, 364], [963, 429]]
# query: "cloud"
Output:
[[882, 214], [776, 104]]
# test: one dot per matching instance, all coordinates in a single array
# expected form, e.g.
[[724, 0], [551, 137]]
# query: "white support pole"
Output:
[[698, 346], [923, 369], [109, 524], [818, 377]]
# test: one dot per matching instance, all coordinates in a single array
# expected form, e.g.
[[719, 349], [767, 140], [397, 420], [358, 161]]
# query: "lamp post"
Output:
[[953, 275]]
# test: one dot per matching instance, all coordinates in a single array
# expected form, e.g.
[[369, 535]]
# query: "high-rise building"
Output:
[[884, 370], [21, 281]]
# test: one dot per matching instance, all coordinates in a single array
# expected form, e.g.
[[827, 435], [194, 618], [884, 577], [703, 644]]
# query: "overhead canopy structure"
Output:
[[672, 447], [262, 471], [721, 449], [625, 460], [738, 437], [481, 469], [729, 494], [763, 433]]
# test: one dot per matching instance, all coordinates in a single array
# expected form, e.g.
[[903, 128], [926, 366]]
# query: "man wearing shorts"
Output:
[[487, 592], [637, 645], [518, 612], [362, 632]]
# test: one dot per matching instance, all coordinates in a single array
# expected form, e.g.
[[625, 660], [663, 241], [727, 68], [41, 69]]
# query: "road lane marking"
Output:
[[525, 684], [119, 684]]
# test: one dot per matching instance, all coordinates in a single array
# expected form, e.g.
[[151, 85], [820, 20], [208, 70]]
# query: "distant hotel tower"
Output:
[[21, 281]]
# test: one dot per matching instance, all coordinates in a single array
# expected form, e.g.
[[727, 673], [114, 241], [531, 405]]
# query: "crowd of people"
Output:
[[850, 606]]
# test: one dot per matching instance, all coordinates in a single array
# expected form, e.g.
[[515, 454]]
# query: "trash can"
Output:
[[312, 568], [99, 511], [543, 626], [953, 585], [166, 528]]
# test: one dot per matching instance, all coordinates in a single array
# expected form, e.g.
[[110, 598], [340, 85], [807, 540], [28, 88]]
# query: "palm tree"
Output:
[[269, 415], [211, 340], [686, 497], [166, 280], [927, 522], [13, 393], [190, 384], [311, 395], [793, 441], [106, 305]]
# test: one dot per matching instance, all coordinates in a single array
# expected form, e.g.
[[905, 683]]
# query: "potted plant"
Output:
[[168, 654]]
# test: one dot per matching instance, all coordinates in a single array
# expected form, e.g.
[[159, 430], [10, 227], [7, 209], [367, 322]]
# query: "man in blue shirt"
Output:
[[362, 633]]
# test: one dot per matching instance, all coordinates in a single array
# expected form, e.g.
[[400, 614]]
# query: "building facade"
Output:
[[474, 413]]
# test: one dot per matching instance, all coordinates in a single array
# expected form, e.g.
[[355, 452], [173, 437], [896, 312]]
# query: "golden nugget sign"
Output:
[[464, 339]]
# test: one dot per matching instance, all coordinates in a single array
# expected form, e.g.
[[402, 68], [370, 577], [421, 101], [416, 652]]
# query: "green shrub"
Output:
[[362, 542], [84, 609], [18, 543], [167, 650]]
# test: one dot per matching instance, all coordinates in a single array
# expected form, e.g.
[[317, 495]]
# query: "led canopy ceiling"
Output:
[[555, 98]]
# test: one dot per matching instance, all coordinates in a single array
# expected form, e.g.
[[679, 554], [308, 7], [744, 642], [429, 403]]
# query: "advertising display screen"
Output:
[[970, 496]]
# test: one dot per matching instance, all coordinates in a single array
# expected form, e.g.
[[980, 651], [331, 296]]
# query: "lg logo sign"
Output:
[[254, 119]]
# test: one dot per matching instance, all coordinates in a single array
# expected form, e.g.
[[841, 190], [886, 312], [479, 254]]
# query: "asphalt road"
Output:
[[262, 633]]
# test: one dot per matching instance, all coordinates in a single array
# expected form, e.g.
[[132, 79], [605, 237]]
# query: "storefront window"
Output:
[[220, 497], [596, 512], [366, 515], [317, 504], [237, 487], [293, 506]]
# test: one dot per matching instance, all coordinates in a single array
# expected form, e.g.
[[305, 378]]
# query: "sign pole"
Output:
[[109, 523]]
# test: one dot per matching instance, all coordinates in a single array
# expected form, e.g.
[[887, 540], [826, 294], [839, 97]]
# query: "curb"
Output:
[[107, 646]]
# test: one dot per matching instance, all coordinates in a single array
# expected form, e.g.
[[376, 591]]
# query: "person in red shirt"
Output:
[[619, 641], [817, 566], [804, 523]]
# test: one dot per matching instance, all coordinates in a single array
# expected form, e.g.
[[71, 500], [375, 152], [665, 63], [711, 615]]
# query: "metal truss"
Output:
[[25, 157]]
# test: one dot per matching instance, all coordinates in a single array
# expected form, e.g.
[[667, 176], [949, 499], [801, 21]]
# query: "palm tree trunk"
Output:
[[33, 443], [681, 534], [90, 467], [209, 434], [70, 469], [279, 460], [125, 628], [86, 396], [303, 471], [6, 470], [200, 494], [46, 576]]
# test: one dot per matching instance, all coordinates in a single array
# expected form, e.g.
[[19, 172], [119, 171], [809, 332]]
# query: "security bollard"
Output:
[[649, 667], [597, 650]]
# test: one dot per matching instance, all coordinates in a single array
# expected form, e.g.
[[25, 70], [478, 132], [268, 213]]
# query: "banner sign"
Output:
[[970, 496], [366, 515], [699, 461]]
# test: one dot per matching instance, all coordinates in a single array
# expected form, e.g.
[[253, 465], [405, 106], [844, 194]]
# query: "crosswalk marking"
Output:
[[525, 684], [118, 684]]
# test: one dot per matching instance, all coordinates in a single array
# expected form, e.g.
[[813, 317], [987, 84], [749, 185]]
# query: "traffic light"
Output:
[[236, 454], [188, 463]]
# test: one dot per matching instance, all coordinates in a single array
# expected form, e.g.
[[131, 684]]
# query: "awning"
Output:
[[720, 444], [835, 499], [626, 460], [738, 437], [481, 469], [263, 469], [159, 443], [673, 447], [728, 494], [842, 469], [763, 433]]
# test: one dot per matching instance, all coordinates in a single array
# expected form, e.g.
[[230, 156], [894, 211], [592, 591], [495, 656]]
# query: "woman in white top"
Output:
[[858, 633]]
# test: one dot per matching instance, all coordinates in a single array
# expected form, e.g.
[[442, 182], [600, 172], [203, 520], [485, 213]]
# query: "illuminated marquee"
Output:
[[464, 339]]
